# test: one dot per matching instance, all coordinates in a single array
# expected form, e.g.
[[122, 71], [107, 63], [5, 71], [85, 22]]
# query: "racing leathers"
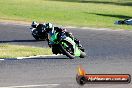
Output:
[[61, 31]]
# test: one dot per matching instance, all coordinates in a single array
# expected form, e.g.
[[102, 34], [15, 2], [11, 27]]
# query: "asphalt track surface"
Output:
[[107, 52]]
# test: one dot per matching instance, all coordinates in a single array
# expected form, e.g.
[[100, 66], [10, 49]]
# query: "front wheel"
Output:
[[67, 50], [36, 37]]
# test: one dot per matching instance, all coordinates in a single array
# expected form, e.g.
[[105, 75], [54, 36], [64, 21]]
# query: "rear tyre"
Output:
[[34, 34]]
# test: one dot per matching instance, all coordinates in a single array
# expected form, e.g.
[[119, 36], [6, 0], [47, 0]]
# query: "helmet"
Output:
[[49, 27], [34, 24], [44, 25]]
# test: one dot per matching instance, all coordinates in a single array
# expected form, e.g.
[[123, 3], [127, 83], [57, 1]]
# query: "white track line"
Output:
[[38, 56], [31, 86], [44, 56], [2, 59]]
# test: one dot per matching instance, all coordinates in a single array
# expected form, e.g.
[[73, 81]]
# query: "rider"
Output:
[[39, 26], [34, 24], [50, 29]]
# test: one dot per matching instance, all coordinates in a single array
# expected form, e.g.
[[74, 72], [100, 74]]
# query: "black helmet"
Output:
[[34, 24]]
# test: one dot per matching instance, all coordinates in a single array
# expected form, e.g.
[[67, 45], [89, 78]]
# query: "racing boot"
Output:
[[79, 45]]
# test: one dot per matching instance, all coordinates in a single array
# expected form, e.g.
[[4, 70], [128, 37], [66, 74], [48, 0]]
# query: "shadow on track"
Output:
[[48, 58], [111, 15], [55, 58], [11, 41], [45, 57]]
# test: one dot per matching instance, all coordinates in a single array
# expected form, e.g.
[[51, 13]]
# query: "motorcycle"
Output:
[[126, 21], [66, 46], [39, 33]]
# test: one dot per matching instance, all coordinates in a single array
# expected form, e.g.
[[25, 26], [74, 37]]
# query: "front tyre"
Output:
[[36, 37], [65, 51], [34, 34]]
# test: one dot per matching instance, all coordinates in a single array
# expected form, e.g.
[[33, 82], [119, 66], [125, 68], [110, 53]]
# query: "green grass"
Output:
[[91, 13], [13, 51]]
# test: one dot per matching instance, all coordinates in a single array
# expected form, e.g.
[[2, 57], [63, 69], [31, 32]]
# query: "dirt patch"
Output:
[[15, 22]]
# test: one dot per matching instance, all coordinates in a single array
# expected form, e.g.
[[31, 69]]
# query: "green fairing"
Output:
[[54, 37], [76, 50]]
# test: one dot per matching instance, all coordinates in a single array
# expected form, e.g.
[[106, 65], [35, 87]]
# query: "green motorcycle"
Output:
[[66, 46]]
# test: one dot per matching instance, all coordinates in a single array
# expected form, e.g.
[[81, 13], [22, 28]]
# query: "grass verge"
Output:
[[91, 13], [13, 51]]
